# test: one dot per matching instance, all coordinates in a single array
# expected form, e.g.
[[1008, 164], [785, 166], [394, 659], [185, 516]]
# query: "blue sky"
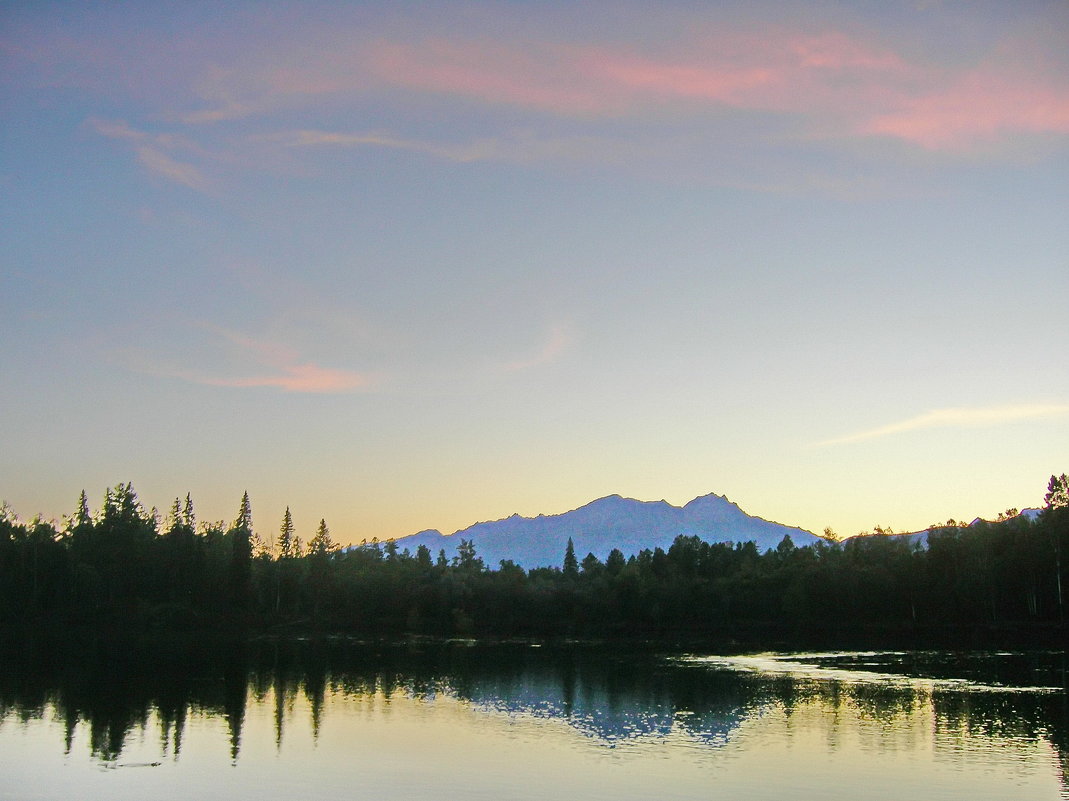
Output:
[[405, 266]]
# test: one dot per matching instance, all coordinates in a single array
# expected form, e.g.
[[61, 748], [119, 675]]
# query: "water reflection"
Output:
[[117, 693], [114, 689]]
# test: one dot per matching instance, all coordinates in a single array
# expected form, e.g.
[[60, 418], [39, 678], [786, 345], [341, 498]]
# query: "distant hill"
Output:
[[607, 523], [921, 537]]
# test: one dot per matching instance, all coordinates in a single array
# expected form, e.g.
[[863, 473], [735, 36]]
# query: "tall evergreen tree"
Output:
[[79, 525], [190, 520], [244, 519], [571, 564], [240, 536], [285, 536], [174, 520], [82, 517], [321, 544]]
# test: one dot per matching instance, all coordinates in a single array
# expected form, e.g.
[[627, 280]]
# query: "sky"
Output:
[[415, 265]]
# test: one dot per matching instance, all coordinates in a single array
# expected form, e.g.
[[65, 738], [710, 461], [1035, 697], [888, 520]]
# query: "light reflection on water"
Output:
[[344, 720], [868, 667]]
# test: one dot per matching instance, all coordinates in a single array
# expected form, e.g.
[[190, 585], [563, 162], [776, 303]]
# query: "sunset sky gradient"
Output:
[[404, 266]]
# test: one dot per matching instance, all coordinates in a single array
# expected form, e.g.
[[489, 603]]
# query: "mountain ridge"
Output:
[[612, 521]]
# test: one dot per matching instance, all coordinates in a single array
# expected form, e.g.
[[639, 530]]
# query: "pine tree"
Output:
[[174, 520], [82, 518], [190, 520], [423, 557], [285, 536], [80, 524], [615, 562], [571, 564], [244, 513], [1057, 492], [241, 537], [321, 544]]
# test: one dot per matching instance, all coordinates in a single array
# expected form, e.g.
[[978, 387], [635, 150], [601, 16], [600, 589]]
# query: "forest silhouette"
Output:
[[121, 568]]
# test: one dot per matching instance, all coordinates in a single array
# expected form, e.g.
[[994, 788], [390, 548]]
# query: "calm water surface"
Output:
[[346, 719]]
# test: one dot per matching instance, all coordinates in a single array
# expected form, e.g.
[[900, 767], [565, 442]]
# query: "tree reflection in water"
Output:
[[610, 694]]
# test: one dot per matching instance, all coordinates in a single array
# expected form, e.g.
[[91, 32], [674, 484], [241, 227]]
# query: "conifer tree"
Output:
[[174, 520], [1057, 492], [82, 517], [80, 524], [285, 536], [244, 513], [571, 564], [321, 544], [190, 520], [241, 551]]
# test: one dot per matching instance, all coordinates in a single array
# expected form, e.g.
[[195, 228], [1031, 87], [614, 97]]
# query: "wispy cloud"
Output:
[[778, 70], [258, 362], [151, 152], [557, 341], [540, 75], [832, 82], [307, 377], [775, 69], [977, 109], [514, 148], [958, 417], [803, 84], [313, 138], [160, 163], [116, 129]]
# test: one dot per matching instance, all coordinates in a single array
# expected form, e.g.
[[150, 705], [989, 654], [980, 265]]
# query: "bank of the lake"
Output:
[[984, 585]]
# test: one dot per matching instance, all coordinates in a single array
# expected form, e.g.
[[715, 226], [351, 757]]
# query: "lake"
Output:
[[347, 719]]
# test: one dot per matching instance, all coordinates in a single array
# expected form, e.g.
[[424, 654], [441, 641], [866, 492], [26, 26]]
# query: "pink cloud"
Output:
[[832, 82], [285, 369], [978, 108], [781, 70], [308, 377], [825, 83], [545, 79], [731, 86], [835, 50]]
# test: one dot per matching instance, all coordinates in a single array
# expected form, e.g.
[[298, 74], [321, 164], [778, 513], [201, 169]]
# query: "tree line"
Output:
[[124, 566]]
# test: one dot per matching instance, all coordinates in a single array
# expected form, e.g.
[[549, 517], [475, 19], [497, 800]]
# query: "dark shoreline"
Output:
[[724, 639]]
